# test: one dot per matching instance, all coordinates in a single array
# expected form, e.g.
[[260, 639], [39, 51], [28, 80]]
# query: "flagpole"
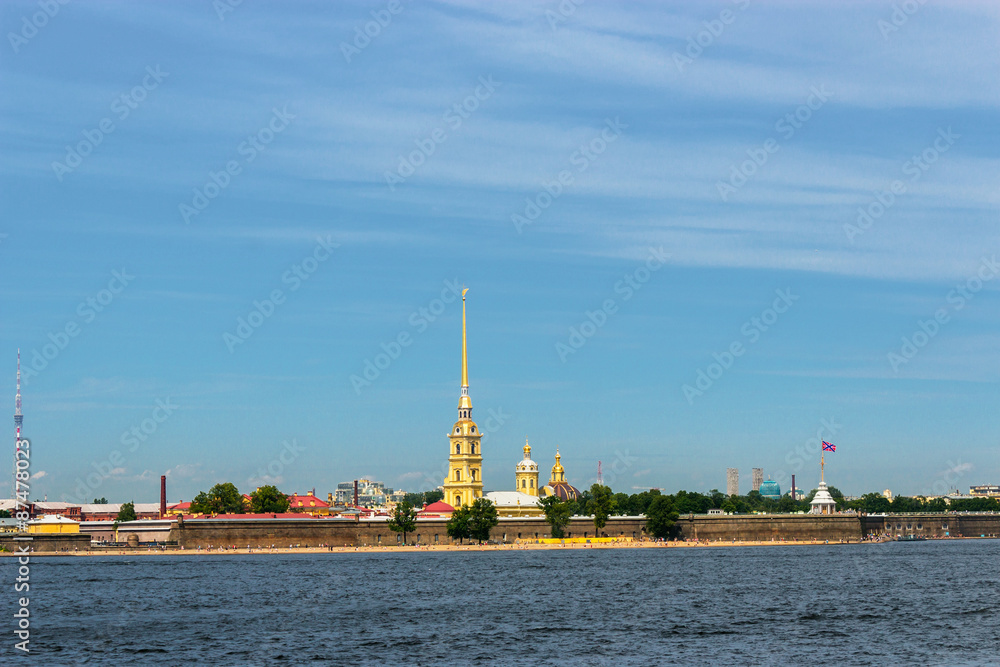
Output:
[[822, 463]]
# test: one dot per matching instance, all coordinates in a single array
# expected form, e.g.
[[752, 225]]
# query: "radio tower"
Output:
[[600, 477], [18, 420]]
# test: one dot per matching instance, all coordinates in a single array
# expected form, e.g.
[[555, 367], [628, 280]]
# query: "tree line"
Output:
[[225, 498]]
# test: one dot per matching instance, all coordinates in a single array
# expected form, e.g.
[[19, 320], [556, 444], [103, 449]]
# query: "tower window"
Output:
[[473, 445], [532, 483], [458, 475], [458, 449], [523, 484], [473, 429], [473, 473]]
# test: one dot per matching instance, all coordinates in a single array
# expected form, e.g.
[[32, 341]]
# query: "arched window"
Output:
[[473, 429], [458, 500], [473, 473], [532, 483], [458, 448], [458, 475]]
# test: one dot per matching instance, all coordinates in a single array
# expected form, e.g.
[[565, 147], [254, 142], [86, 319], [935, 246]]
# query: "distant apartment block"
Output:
[[757, 478], [732, 482], [985, 491], [370, 494]]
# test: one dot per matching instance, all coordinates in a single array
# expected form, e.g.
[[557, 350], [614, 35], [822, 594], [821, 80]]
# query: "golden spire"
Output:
[[465, 352], [527, 448], [464, 403]]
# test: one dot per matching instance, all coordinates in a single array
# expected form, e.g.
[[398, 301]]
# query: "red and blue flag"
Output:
[[828, 447]]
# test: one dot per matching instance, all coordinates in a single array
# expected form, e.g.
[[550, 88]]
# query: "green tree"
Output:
[[4, 514], [415, 499], [602, 504], [433, 496], [403, 519], [661, 517], [126, 513], [482, 519], [623, 504], [458, 524], [787, 505], [222, 498], [937, 505], [268, 500], [557, 513], [874, 503], [101, 501]]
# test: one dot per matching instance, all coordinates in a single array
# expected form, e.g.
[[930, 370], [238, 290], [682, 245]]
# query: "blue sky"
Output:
[[230, 154]]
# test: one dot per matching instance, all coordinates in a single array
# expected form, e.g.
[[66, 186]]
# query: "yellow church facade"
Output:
[[464, 483]]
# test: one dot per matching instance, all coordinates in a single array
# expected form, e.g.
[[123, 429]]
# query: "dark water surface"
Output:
[[927, 603]]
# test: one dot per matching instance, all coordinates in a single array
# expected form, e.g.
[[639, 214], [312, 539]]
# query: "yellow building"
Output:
[[526, 473], [558, 486], [53, 524], [465, 458]]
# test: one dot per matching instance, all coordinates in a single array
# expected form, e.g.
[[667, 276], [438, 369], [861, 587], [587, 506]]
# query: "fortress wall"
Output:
[[316, 532], [770, 527], [760, 528], [933, 525], [51, 542]]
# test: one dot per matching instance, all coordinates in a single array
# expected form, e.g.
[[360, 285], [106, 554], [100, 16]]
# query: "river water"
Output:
[[922, 603]]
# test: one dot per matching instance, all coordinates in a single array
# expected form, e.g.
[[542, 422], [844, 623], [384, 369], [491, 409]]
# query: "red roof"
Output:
[[305, 502], [248, 516], [180, 506], [440, 507]]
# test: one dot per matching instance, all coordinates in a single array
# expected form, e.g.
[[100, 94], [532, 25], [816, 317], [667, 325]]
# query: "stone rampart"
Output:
[[769, 527], [46, 542]]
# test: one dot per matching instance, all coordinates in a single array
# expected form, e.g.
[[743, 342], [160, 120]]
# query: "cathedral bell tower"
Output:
[[465, 458], [526, 473]]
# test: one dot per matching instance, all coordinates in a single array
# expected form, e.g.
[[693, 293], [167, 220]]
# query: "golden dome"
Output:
[[526, 464], [558, 472]]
